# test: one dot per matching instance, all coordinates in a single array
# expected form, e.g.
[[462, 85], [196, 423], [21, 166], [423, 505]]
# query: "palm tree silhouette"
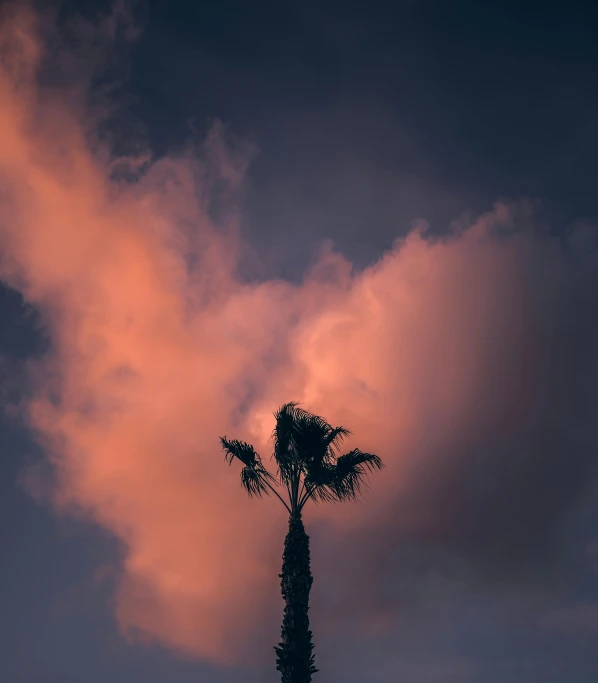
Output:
[[306, 451]]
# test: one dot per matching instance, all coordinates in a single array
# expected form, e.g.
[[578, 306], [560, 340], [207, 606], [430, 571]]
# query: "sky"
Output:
[[386, 211]]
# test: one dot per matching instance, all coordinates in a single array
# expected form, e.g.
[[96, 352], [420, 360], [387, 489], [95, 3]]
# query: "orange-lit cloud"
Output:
[[159, 347]]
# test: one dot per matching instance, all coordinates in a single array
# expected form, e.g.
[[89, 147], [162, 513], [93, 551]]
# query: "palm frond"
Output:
[[311, 443], [296, 434], [316, 440], [319, 443], [253, 480], [335, 437], [283, 436], [370, 461], [351, 471], [320, 483], [240, 450]]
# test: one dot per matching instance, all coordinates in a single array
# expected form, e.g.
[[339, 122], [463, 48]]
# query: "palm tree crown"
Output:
[[306, 451]]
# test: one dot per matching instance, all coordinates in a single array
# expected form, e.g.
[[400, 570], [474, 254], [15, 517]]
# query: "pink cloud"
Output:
[[159, 347]]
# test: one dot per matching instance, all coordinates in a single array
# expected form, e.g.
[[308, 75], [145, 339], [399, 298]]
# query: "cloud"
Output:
[[467, 362]]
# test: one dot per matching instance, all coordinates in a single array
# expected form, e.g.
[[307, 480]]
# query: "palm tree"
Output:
[[309, 467]]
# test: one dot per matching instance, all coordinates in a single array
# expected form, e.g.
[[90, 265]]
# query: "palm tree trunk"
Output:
[[294, 654]]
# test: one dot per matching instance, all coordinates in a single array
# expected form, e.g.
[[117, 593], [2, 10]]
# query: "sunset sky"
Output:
[[386, 211]]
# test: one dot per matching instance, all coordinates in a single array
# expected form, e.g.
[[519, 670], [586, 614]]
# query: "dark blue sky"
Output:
[[367, 116]]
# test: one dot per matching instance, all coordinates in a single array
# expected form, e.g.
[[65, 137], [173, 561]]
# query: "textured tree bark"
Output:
[[294, 654]]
